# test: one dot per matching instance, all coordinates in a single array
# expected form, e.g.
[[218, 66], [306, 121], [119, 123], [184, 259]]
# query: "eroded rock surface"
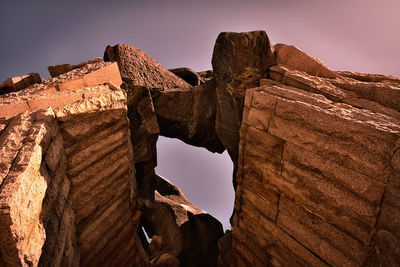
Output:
[[57, 70], [160, 102], [293, 58], [18, 83], [188, 75], [239, 60], [315, 151], [36, 218], [78, 155], [179, 230], [316, 160]]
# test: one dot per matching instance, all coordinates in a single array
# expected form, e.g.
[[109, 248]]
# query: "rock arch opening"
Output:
[[205, 178]]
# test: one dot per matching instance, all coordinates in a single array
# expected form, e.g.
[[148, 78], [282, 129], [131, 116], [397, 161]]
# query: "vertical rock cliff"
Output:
[[315, 153]]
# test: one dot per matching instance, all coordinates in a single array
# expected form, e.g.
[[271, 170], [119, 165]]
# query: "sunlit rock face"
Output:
[[67, 172], [317, 175], [315, 152]]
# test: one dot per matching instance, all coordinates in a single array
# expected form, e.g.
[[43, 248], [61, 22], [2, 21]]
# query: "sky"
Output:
[[355, 35]]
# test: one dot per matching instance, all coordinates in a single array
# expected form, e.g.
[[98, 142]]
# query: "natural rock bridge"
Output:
[[315, 153]]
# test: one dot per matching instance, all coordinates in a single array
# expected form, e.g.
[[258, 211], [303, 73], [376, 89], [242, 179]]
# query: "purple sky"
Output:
[[357, 35]]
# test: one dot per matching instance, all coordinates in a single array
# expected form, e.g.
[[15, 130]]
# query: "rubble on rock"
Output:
[[315, 152], [18, 83]]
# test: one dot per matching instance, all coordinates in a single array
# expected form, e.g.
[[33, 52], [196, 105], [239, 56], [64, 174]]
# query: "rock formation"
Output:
[[66, 167], [316, 163], [315, 152], [18, 83]]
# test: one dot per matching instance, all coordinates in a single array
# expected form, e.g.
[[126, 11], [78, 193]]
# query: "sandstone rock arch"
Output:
[[315, 154]]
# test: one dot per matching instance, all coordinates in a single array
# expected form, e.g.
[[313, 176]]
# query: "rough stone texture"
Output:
[[18, 83], [188, 75], [36, 218], [225, 249], [239, 60], [139, 69], [181, 233], [88, 215], [159, 102], [206, 75], [316, 163], [141, 76], [57, 70], [189, 115], [295, 59], [99, 160], [87, 76], [365, 77]]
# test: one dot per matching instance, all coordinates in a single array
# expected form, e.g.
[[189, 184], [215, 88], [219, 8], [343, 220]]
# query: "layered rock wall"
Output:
[[87, 169], [316, 162], [37, 221], [315, 152]]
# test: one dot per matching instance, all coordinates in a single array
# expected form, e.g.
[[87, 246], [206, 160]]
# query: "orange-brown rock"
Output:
[[160, 102], [18, 83], [295, 59], [82, 176], [181, 232], [239, 60], [189, 115], [142, 74], [57, 70], [317, 158], [188, 75], [317, 161], [36, 217], [138, 69]]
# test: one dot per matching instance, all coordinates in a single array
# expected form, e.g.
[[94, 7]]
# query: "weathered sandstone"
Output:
[[188, 75], [159, 102], [315, 152], [18, 83], [239, 60], [316, 162], [81, 174], [295, 59], [179, 229], [57, 70]]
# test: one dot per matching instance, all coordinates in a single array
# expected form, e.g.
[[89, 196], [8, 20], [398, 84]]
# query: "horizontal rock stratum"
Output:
[[315, 153]]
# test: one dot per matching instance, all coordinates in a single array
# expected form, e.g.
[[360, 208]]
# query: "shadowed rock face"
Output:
[[179, 229], [315, 151], [159, 102], [239, 60], [188, 75], [18, 83], [315, 144]]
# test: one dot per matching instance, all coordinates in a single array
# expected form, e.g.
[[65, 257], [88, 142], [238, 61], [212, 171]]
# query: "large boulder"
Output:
[[293, 58], [18, 83], [239, 61], [237, 54], [138, 69], [160, 102], [189, 115]]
